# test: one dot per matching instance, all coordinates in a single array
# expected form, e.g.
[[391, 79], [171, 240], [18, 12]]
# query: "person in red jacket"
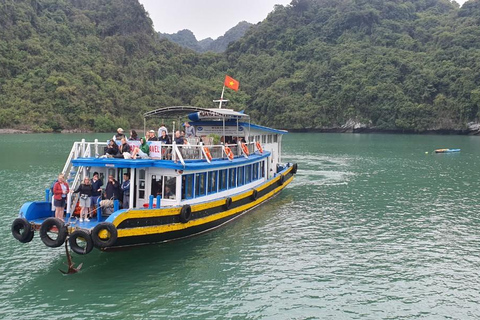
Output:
[[60, 191]]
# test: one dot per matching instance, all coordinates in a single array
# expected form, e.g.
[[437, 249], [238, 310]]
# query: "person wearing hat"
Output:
[[120, 134], [151, 136]]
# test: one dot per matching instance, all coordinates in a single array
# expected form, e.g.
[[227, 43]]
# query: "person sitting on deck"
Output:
[[143, 150], [112, 149], [124, 149], [133, 136], [151, 136], [178, 138]]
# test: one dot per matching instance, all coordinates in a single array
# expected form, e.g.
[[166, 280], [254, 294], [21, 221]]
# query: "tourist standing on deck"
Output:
[[162, 129], [189, 130], [85, 191], [125, 187], [96, 190], [112, 190], [60, 191], [164, 138]]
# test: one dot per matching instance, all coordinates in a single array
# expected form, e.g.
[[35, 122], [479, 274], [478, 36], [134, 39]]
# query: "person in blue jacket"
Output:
[[125, 187]]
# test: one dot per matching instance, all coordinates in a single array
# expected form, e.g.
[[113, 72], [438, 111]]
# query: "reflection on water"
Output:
[[371, 228]]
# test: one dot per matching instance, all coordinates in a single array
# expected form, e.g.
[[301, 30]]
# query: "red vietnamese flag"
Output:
[[231, 83]]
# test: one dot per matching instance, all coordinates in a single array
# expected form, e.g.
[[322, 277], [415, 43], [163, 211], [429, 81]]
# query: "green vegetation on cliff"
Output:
[[389, 64]]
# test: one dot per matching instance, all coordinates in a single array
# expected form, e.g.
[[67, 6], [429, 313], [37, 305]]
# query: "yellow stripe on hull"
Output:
[[143, 231]]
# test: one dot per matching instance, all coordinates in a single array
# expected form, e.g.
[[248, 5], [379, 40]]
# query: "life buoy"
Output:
[[49, 225], [83, 236], [245, 149], [186, 213], [254, 195], [207, 153], [104, 235], [259, 147], [281, 181], [229, 153], [294, 169], [22, 230], [228, 203]]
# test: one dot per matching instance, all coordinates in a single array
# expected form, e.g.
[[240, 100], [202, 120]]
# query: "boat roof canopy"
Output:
[[204, 113]]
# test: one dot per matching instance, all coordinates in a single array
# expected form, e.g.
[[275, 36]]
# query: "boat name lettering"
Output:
[[110, 165]]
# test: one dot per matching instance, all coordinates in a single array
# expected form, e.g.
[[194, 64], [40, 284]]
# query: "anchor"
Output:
[[71, 268]]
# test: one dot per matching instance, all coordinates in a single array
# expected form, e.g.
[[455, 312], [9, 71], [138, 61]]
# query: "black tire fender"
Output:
[[281, 181], [73, 242], [62, 232], [22, 230], [228, 203], [294, 169], [186, 213], [254, 195], [112, 235]]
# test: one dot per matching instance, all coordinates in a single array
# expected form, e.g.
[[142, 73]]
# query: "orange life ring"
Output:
[[259, 147], [245, 149], [229, 153], [207, 153]]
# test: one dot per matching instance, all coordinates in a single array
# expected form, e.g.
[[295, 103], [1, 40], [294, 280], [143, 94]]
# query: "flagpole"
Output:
[[221, 98]]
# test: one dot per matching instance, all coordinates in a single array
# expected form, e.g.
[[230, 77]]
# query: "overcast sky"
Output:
[[208, 18]]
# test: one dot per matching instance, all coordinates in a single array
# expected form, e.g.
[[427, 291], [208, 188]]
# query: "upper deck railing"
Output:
[[162, 151]]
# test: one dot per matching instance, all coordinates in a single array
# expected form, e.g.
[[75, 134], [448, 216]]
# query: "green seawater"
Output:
[[370, 228]]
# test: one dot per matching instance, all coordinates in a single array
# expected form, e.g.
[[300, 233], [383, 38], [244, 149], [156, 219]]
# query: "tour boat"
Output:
[[446, 150], [227, 168]]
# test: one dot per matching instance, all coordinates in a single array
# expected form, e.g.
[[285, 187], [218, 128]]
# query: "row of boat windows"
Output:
[[267, 138], [205, 183]]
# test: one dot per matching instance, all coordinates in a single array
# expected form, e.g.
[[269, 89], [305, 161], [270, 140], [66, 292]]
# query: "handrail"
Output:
[[69, 159], [179, 152]]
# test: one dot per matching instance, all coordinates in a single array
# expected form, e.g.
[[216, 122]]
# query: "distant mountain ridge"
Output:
[[187, 39]]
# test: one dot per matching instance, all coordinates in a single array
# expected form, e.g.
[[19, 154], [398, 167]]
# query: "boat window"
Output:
[[275, 138], [156, 186], [248, 173], [269, 139], [187, 186], [170, 187], [240, 180], [141, 184], [232, 178], [200, 184], [222, 180], [255, 171], [264, 138], [212, 182], [262, 169]]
